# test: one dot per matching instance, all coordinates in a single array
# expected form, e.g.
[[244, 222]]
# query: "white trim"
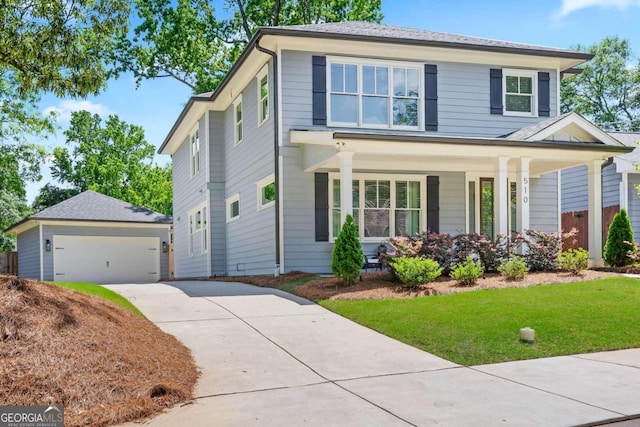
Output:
[[236, 138], [513, 72], [194, 157], [393, 178], [389, 64], [280, 161], [581, 122], [624, 191], [264, 72], [192, 215], [559, 181], [207, 145], [558, 81], [41, 254], [260, 185], [228, 202]]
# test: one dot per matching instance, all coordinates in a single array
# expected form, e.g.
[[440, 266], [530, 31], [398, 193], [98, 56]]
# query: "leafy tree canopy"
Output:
[[185, 40], [112, 158], [608, 89], [12, 209], [50, 195]]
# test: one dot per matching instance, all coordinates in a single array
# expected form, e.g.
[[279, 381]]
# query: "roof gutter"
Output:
[[276, 146]]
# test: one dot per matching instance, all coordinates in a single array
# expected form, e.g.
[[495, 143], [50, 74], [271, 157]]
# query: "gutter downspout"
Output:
[[276, 150]]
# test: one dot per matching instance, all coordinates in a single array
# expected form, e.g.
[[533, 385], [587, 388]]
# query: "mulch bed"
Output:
[[103, 363]]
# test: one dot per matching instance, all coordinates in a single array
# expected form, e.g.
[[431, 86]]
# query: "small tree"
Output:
[[619, 240], [347, 257]]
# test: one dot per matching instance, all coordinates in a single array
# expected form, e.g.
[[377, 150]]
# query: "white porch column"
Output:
[[522, 195], [346, 186], [595, 213], [501, 197]]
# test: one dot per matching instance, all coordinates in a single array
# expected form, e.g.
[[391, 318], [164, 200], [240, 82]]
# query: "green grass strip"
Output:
[[482, 327], [95, 289]]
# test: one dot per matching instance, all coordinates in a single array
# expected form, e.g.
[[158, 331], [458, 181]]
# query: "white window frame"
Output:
[[231, 200], [359, 63], [534, 87], [262, 117], [195, 227], [194, 151], [393, 178], [238, 136], [475, 178], [260, 185]]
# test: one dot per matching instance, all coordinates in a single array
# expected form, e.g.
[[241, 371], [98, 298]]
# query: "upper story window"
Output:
[[194, 144], [520, 88], [374, 95], [237, 120], [263, 95]]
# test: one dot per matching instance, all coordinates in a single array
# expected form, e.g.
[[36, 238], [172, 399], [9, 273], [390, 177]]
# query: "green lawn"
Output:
[[480, 327], [95, 289]]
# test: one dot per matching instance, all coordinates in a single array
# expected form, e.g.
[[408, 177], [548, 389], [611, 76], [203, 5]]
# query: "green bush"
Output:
[[573, 260], [415, 271], [619, 241], [514, 269], [467, 273], [347, 257]]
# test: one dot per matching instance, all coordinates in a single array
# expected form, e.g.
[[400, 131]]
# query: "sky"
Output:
[[156, 104]]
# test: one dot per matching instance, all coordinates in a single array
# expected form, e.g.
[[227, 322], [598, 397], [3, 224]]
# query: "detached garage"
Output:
[[94, 238]]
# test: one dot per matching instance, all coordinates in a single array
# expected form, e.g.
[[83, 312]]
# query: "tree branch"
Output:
[[245, 21]]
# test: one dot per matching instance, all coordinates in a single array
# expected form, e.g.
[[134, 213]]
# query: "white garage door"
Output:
[[105, 259]]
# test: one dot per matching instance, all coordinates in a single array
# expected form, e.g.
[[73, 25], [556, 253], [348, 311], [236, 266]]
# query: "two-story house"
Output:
[[406, 129]]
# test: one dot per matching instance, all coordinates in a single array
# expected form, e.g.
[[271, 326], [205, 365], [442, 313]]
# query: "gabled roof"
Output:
[[92, 206], [630, 139], [572, 124], [389, 33]]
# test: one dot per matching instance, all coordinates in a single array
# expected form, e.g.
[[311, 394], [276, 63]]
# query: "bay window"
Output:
[[383, 207], [375, 95]]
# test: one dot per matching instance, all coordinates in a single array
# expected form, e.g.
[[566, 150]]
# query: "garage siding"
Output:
[[48, 231], [29, 253]]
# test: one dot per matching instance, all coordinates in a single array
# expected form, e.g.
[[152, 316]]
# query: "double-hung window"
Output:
[[383, 206], [238, 128], [519, 92], [194, 144], [263, 95], [198, 225], [374, 94]]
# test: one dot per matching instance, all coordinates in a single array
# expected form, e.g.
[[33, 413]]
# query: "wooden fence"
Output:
[[8, 262], [580, 221]]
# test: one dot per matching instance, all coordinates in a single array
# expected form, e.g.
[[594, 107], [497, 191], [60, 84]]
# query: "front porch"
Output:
[[403, 184]]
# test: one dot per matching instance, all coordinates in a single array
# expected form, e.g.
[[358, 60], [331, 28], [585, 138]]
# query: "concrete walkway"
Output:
[[270, 358]]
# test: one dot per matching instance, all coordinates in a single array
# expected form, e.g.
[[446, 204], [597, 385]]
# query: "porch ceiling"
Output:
[[410, 153]]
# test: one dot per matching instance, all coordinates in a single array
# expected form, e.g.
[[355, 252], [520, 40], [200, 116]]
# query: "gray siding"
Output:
[[250, 239], [48, 231], [217, 219], [633, 204], [452, 202], [575, 185], [543, 212], [188, 193], [463, 98], [29, 253]]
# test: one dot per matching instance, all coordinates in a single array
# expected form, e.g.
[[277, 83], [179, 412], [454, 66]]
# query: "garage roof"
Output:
[[92, 206]]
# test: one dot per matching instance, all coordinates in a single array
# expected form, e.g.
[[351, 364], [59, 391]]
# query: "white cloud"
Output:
[[64, 109], [570, 6]]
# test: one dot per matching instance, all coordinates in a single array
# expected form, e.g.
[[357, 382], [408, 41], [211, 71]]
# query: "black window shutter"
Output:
[[322, 206], [433, 204], [431, 97], [543, 95], [319, 71], [495, 90]]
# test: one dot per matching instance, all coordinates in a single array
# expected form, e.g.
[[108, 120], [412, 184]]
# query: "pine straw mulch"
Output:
[[103, 363], [381, 286]]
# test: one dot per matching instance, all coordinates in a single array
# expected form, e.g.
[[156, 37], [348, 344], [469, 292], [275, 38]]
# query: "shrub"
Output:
[[347, 257], [542, 248], [514, 269], [416, 271], [573, 260], [619, 241], [467, 273]]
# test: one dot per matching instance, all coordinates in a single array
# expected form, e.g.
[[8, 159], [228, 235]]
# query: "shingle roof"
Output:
[[92, 206], [528, 131], [630, 139], [383, 31]]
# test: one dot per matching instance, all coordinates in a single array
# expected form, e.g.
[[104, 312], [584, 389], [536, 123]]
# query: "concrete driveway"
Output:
[[270, 358]]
